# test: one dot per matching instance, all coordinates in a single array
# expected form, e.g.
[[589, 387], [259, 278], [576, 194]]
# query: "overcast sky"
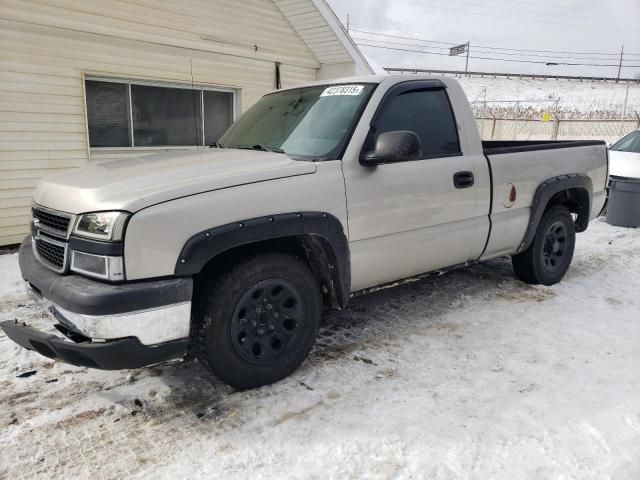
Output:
[[589, 26]]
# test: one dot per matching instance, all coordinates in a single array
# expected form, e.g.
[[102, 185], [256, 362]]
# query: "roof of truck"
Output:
[[392, 78]]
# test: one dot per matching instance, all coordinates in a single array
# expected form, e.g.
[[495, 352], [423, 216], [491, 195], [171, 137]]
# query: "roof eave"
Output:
[[361, 63]]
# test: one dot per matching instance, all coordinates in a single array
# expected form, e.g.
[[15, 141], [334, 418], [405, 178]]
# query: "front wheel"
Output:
[[260, 321], [547, 259]]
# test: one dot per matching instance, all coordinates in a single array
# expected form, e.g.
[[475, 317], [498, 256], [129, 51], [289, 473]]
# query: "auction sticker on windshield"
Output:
[[342, 90]]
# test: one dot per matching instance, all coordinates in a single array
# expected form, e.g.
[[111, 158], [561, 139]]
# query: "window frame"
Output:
[[235, 107], [408, 87]]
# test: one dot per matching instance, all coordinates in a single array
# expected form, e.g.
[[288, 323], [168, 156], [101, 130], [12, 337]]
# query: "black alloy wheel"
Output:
[[267, 321], [555, 246], [547, 259], [258, 321]]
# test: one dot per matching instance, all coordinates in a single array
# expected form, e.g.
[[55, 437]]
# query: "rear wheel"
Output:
[[260, 321], [547, 259]]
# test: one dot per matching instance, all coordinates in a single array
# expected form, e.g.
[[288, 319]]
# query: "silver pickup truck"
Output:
[[314, 194]]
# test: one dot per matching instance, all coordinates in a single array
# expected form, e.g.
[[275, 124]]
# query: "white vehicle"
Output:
[[624, 156], [316, 193]]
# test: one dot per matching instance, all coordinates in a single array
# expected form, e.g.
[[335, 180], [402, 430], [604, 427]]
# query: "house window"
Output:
[[108, 114], [130, 114], [218, 115]]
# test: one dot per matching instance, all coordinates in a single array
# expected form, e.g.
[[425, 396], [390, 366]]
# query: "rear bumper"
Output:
[[107, 326]]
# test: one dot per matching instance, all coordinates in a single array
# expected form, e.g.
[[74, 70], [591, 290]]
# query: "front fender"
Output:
[[206, 245]]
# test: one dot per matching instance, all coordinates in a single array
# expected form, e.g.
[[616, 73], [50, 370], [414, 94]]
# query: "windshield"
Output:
[[630, 143], [309, 123]]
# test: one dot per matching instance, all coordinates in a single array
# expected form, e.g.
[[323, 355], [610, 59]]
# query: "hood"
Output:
[[624, 164], [135, 183]]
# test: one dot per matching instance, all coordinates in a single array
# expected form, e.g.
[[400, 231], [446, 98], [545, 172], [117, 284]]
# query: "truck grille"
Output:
[[50, 230], [51, 253], [55, 223]]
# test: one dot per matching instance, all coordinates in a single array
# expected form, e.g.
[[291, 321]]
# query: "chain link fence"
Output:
[[493, 128], [546, 120], [556, 129]]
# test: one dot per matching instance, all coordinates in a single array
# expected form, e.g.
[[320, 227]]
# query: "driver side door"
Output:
[[411, 217]]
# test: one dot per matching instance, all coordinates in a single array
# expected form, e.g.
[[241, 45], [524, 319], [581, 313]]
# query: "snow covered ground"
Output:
[[469, 375], [590, 97]]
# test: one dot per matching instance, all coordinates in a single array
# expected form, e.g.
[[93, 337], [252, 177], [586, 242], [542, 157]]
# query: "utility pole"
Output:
[[624, 110], [466, 65], [347, 23], [620, 64], [484, 111]]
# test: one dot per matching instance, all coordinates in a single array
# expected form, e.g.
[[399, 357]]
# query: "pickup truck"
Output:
[[314, 194]]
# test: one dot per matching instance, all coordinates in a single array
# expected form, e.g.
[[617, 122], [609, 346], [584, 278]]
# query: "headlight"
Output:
[[101, 225], [98, 266]]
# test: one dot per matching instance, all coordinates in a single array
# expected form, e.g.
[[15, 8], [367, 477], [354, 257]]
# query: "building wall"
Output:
[[48, 46]]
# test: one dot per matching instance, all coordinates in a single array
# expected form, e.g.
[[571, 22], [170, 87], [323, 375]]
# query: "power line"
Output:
[[519, 19], [400, 43], [555, 51], [500, 59], [404, 37], [602, 10], [520, 11], [483, 50]]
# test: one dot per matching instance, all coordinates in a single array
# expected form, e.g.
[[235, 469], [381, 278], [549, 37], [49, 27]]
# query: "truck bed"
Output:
[[521, 166], [497, 147]]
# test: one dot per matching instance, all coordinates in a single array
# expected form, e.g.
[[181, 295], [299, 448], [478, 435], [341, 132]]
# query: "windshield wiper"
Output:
[[216, 145], [261, 147]]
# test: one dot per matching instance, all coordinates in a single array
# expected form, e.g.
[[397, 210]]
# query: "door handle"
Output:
[[463, 179]]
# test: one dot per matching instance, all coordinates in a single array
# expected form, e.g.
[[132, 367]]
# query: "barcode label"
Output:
[[342, 90]]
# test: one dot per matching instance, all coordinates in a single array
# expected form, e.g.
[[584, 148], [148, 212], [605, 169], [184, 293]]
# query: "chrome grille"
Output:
[[50, 231], [51, 252], [52, 222]]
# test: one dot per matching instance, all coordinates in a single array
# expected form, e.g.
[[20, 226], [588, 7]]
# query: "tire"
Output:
[[547, 259], [259, 321]]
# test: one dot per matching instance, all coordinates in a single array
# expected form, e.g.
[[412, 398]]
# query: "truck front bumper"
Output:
[[106, 326]]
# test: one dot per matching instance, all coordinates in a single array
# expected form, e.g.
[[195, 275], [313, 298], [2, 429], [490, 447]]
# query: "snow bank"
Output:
[[576, 99]]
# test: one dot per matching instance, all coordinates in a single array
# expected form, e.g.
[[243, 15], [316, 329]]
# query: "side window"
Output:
[[425, 112]]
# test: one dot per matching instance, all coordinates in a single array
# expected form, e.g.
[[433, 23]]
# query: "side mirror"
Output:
[[396, 146]]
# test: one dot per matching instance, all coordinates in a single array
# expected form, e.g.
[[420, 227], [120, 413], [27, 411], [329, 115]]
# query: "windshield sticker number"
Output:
[[342, 90]]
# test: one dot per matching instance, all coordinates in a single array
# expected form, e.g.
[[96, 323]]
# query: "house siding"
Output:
[[47, 47]]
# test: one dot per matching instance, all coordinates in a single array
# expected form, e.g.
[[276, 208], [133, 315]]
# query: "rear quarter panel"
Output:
[[526, 171]]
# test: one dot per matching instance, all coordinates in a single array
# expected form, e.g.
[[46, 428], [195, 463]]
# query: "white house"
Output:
[[86, 80]]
